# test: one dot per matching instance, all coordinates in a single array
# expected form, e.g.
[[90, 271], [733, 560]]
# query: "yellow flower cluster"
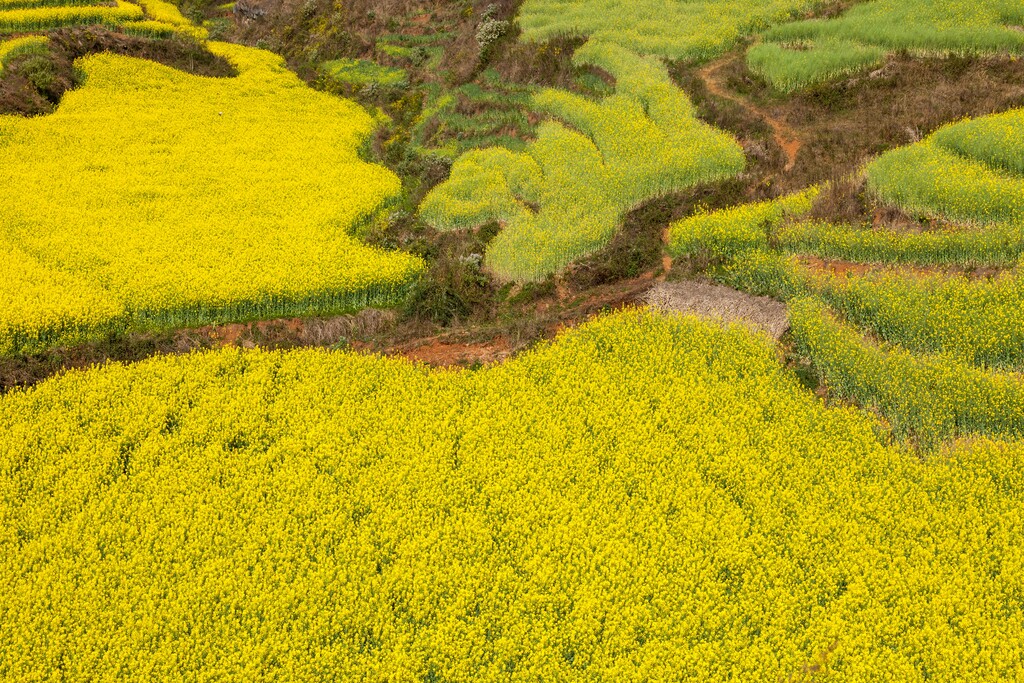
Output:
[[646, 499], [564, 197], [164, 20], [37, 18], [160, 10], [677, 29], [179, 200]]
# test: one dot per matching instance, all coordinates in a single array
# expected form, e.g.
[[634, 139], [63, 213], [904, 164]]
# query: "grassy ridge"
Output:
[[992, 140], [999, 245]]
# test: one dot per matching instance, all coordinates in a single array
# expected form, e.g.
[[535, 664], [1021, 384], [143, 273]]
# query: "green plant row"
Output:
[[999, 245], [714, 235], [928, 399], [499, 118], [6, 5], [976, 321], [937, 26], [861, 37]]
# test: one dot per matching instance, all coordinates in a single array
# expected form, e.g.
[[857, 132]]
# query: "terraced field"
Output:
[[630, 494], [125, 214], [146, 17], [942, 305], [639, 143]]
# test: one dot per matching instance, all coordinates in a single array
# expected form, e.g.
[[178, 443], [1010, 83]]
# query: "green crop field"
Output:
[[584, 174], [803, 53], [557, 340]]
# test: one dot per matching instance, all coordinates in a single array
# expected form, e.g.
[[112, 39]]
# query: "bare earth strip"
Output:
[[720, 303]]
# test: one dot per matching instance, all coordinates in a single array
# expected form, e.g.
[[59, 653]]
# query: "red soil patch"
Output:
[[817, 265], [442, 354], [786, 137]]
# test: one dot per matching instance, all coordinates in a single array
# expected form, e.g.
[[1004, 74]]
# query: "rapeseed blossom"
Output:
[[178, 200], [645, 499]]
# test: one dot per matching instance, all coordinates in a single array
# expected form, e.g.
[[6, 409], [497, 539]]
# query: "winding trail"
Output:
[[784, 134]]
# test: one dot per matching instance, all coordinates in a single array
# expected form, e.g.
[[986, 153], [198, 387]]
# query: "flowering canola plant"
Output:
[[170, 200], [41, 16], [647, 498], [14, 47], [156, 18]]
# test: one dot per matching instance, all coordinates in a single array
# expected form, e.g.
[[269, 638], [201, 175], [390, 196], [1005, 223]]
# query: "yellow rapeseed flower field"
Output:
[[181, 200], [645, 499], [37, 18]]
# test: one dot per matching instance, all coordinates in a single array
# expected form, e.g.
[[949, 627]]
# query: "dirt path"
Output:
[[785, 136]]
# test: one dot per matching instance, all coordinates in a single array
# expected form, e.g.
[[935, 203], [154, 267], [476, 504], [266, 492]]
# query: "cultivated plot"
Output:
[[177, 200], [646, 498]]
